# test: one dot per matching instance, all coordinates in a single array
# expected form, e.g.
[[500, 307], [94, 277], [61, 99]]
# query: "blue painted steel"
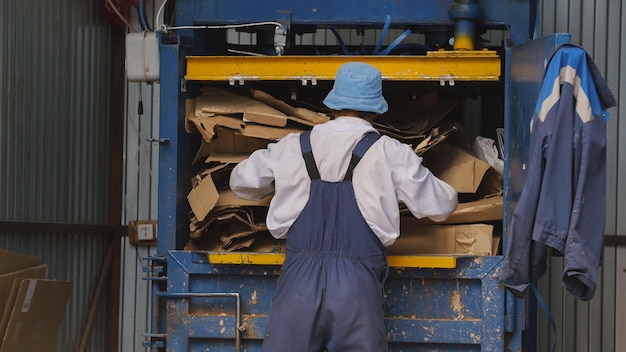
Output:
[[515, 16], [176, 155], [168, 154], [425, 309], [524, 69]]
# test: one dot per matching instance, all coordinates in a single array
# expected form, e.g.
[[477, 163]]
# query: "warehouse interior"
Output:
[[80, 164]]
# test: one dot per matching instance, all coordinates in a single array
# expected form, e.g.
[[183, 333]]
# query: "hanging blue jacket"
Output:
[[562, 204]]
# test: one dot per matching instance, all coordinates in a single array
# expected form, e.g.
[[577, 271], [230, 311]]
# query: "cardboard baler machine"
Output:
[[220, 99]]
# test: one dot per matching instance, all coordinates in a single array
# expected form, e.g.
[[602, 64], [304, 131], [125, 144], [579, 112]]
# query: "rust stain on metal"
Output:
[[251, 330], [430, 331], [475, 338], [253, 298], [222, 327], [457, 305]]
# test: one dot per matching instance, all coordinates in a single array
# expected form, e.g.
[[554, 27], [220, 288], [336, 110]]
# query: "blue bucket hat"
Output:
[[358, 86]]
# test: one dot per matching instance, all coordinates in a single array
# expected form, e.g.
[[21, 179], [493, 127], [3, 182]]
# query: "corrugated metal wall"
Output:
[[592, 326], [598, 325], [54, 149], [140, 201]]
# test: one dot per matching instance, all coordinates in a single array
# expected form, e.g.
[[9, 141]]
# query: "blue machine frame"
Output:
[[224, 307], [198, 305]]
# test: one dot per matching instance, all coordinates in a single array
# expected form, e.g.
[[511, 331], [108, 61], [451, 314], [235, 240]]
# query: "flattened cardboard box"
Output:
[[37, 312], [17, 266], [212, 190], [488, 209], [415, 239], [461, 170]]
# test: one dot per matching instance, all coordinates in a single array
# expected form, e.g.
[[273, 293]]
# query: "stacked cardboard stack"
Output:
[[32, 307], [233, 125]]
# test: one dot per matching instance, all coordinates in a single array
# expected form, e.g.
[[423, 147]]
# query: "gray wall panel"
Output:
[[54, 114], [54, 160], [140, 203], [596, 325]]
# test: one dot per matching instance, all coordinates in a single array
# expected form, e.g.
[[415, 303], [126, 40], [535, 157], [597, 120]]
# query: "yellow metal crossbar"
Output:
[[442, 66], [399, 261]]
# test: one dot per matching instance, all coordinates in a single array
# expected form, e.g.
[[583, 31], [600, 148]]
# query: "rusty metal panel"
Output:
[[458, 309]]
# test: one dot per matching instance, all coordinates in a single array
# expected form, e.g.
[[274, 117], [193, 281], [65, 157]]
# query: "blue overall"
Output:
[[329, 295]]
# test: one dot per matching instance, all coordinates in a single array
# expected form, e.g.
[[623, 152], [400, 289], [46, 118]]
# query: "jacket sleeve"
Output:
[[516, 271], [420, 190], [585, 240], [253, 178]]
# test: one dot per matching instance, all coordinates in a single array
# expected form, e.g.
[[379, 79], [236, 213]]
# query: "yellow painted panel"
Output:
[[443, 66], [246, 258], [403, 261], [421, 261]]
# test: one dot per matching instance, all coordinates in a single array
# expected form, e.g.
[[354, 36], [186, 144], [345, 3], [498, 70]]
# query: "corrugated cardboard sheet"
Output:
[[32, 306]]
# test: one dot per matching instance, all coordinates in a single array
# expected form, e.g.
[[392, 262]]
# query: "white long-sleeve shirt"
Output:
[[389, 173]]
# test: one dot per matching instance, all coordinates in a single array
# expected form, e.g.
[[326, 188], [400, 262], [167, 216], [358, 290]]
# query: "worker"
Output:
[[336, 193]]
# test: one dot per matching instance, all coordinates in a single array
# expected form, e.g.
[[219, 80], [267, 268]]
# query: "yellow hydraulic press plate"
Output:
[[443, 66], [399, 261]]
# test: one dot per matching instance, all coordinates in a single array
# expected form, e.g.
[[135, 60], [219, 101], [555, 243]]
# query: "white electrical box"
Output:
[[142, 57], [144, 232]]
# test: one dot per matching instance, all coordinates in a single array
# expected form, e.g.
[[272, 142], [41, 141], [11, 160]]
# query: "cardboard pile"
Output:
[[233, 125], [469, 239], [31, 307]]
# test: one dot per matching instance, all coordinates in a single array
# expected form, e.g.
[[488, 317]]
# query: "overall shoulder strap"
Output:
[[357, 153], [307, 154]]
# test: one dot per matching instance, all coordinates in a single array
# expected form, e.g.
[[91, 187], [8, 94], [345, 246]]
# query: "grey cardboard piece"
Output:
[[36, 315]]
